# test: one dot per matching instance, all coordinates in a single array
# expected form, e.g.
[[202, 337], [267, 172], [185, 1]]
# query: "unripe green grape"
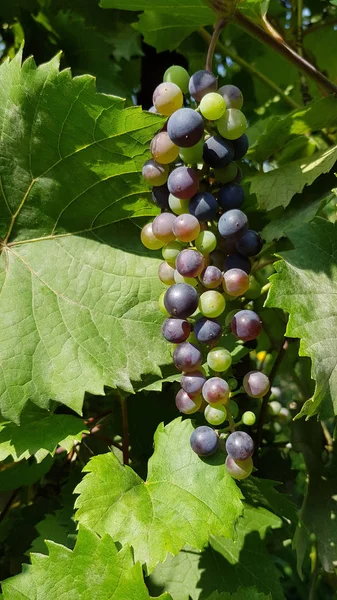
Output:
[[206, 242], [232, 125], [170, 252], [166, 273], [193, 154], [239, 469], [178, 206], [179, 76], [212, 304], [161, 304], [274, 408], [148, 238], [219, 359], [226, 175], [212, 106], [154, 173], [284, 414], [233, 384], [233, 409], [215, 414], [181, 279], [248, 418]]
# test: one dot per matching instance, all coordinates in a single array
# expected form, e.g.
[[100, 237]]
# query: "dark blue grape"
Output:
[[246, 325], [231, 196], [241, 146], [250, 244], [185, 127], [207, 331], [181, 300], [233, 224], [217, 152], [160, 196], [183, 182], [189, 263], [239, 445], [204, 441], [201, 83], [176, 330], [187, 357], [237, 261], [192, 382], [203, 206]]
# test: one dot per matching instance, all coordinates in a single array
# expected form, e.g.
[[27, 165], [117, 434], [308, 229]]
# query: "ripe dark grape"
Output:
[[181, 300], [240, 146], [218, 153], [232, 96], [256, 384], [176, 330], [237, 261], [187, 357], [239, 445], [239, 469], [183, 182], [186, 404], [246, 325], [192, 382], [162, 227], [186, 227], [203, 206], [189, 263], [204, 441], [231, 196], [185, 127], [233, 224], [250, 244], [235, 282], [160, 196], [207, 331], [211, 277], [201, 83]]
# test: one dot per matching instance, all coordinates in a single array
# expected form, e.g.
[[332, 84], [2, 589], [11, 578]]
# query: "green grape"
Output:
[[179, 76], [193, 154], [248, 418], [233, 384], [219, 359], [232, 125], [274, 407], [239, 469], [212, 106], [212, 304], [206, 242], [181, 279], [233, 409], [161, 304], [215, 414], [226, 175], [148, 238], [178, 206], [170, 252]]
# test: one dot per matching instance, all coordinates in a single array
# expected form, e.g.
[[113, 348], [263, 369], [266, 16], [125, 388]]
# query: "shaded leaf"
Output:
[[164, 33], [195, 9], [17, 474]]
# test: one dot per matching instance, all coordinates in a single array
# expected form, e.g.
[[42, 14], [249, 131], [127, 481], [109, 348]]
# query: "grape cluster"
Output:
[[206, 246]]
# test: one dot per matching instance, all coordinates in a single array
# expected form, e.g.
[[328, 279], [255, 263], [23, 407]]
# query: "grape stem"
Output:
[[125, 439], [213, 42]]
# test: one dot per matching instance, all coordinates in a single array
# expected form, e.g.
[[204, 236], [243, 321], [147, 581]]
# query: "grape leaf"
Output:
[[183, 501], [93, 569], [277, 187], [164, 33], [197, 10], [305, 286], [78, 290], [262, 492], [250, 593], [255, 10], [17, 474]]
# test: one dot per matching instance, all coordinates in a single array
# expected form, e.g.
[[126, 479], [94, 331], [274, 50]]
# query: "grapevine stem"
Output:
[[125, 441], [213, 42]]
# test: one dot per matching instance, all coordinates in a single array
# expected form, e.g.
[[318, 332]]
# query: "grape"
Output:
[[256, 384], [163, 150], [167, 98], [148, 238], [170, 252], [183, 182], [189, 263], [178, 206], [233, 224], [226, 246], [232, 125], [185, 127], [248, 418], [176, 330], [181, 300], [212, 304], [206, 242], [201, 83], [193, 154], [161, 304], [203, 206], [187, 357], [227, 174], [186, 228], [186, 404], [219, 359], [154, 173], [215, 389], [207, 331], [235, 282], [160, 196], [233, 409], [162, 227], [284, 414], [215, 414], [250, 244], [181, 279], [274, 407], [237, 261], [166, 273], [239, 469], [246, 325], [239, 445], [240, 146], [218, 153], [179, 76], [231, 196], [212, 106], [232, 96], [192, 382], [204, 441], [211, 277]]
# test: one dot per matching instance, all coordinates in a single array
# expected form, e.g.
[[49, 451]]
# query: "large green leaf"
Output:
[[78, 290], [195, 9], [94, 569], [183, 501], [164, 33], [250, 593], [305, 285]]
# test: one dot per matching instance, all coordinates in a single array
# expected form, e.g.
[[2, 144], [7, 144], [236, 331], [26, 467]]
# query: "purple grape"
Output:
[[207, 331], [231, 196], [241, 146], [189, 263], [201, 83], [185, 127], [186, 404], [246, 325], [217, 152], [256, 384], [216, 389], [160, 195], [203, 206], [250, 244], [187, 357], [237, 261], [211, 277], [233, 224], [162, 227], [183, 182], [235, 282], [176, 330], [239, 469], [204, 441], [192, 382], [181, 300], [239, 445]]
